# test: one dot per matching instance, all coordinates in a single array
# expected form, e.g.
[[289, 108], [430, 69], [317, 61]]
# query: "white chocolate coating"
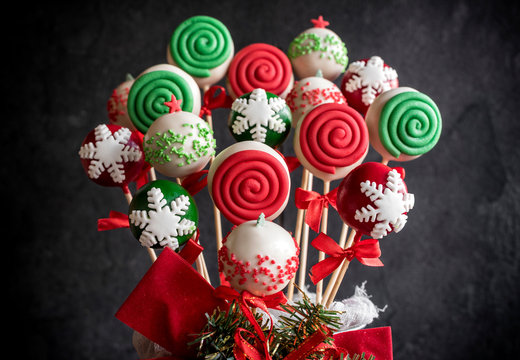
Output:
[[260, 258], [116, 105]]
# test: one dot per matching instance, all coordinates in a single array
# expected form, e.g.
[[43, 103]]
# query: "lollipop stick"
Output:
[[305, 241], [334, 277], [128, 196], [321, 255], [298, 231], [342, 272]]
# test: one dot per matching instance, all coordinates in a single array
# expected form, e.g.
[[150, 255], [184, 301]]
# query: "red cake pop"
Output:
[[374, 200], [112, 155]]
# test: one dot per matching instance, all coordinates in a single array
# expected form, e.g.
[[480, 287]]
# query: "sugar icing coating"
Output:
[[116, 105], [260, 116], [310, 92], [249, 178], [318, 48], [374, 200], [202, 46], [331, 140], [179, 144], [111, 155], [365, 79], [154, 87], [258, 256], [260, 66], [163, 214], [403, 124]]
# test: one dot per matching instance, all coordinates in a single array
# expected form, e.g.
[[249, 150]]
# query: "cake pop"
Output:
[[310, 92], [403, 124], [202, 46], [163, 214], [365, 79], [249, 178], [260, 116], [331, 140], [152, 91], [116, 104], [258, 256], [111, 155], [179, 144], [318, 48], [260, 66]]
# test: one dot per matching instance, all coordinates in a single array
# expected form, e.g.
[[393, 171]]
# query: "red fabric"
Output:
[[367, 252], [115, 220], [373, 341], [314, 203], [195, 182], [292, 162], [213, 99], [191, 250], [169, 304]]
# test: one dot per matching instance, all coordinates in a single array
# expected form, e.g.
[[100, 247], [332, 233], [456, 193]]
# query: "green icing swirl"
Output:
[[410, 123], [149, 93], [199, 44]]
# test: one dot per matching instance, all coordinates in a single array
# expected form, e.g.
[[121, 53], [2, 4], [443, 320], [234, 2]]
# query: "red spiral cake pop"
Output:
[[374, 200], [249, 178], [260, 66], [331, 140], [112, 155]]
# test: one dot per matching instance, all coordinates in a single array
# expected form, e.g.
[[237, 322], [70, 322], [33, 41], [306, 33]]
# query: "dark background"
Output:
[[451, 277]]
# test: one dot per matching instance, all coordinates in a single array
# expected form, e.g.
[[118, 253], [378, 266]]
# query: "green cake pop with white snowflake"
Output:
[[260, 116], [163, 214]]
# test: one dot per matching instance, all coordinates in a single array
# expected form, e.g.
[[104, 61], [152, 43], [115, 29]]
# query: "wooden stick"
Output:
[[323, 229], [343, 270], [305, 243], [345, 245], [298, 230], [128, 196]]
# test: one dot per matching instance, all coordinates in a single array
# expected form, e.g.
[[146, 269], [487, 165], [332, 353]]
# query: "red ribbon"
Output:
[[366, 251], [314, 203], [212, 100], [115, 220], [195, 182]]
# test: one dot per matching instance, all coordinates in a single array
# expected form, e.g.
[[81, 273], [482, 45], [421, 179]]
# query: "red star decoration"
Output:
[[174, 105], [319, 22]]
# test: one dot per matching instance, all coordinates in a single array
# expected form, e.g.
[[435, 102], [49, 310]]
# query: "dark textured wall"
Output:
[[451, 277]]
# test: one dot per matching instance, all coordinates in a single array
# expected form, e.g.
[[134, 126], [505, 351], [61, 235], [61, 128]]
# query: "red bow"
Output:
[[210, 101], [115, 220], [314, 203], [195, 182], [366, 251]]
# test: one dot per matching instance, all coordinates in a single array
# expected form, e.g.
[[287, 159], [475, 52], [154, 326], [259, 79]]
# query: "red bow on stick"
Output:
[[195, 182], [212, 100], [366, 251], [115, 220], [314, 203]]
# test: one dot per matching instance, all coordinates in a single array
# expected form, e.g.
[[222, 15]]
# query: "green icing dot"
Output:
[[199, 44], [410, 123], [330, 46]]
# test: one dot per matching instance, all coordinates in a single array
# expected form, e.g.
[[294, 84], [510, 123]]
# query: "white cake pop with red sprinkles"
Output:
[[259, 256]]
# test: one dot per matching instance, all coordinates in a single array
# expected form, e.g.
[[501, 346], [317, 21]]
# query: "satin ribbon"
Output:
[[314, 203], [366, 251], [115, 220], [212, 100], [292, 162], [195, 182]]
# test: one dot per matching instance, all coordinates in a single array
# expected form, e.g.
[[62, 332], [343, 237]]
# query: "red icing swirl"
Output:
[[333, 136], [260, 66], [249, 183]]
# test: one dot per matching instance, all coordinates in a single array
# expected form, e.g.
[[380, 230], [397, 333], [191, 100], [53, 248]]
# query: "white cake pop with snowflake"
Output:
[[259, 256], [374, 200], [260, 116]]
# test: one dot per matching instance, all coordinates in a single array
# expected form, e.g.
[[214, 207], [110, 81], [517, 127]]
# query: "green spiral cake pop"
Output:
[[202, 46], [403, 124]]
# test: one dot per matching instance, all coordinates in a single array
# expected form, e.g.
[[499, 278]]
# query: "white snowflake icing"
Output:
[[371, 77], [391, 204], [162, 223], [108, 153], [257, 114]]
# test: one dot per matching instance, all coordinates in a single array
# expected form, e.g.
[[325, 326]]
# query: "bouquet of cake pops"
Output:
[[160, 138]]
